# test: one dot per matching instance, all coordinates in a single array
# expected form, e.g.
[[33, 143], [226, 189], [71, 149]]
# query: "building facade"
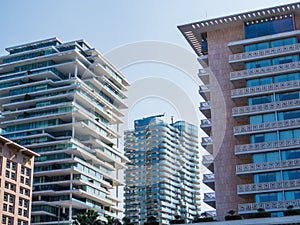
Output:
[[162, 179], [16, 173], [63, 101], [251, 89]]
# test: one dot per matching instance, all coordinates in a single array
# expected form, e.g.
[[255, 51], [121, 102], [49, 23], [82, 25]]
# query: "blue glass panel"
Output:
[[277, 196], [291, 175], [269, 27], [290, 154], [267, 177], [266, 157]]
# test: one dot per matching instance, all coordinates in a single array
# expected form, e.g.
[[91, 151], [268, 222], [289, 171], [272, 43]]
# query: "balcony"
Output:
[[209, 180], [268, 187], [204, 92], [208, 162], [203, 74], [207, 143], [265, 53], [270, 126], [265, 89], [268, 166], [265, 71], [267, 146], [205, 108], [210, 199], [206, 125], [263, 108], [268, 206]]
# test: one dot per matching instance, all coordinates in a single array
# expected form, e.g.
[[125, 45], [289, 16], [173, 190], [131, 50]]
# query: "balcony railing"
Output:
[[206, 141], [281, 50], [267, 146], [205, 123], [209, 177], [267, 107], [254, 128], [268, 206], [204, 92], [265, 71], [268, 166], [209, 197], [269, 88], [204, 106], [268, 186], [207, 159]]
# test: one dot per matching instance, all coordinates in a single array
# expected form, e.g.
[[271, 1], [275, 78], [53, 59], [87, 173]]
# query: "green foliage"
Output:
[[233, 216], [91, 217]]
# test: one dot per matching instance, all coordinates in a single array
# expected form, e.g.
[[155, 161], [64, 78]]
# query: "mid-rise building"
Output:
[[251, 87], [16, 173], [162, 179], [63, 101]]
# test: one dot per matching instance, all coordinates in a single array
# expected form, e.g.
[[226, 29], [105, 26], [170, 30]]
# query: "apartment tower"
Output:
[[251, 93], [16, 172], [63, 101], [162, 179]]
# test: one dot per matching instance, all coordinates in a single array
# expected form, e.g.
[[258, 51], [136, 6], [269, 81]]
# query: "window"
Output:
[[267, 177], [257, 64], [268, 137], [266, 157], [287, 96], [4, 207], [258, 82], [270, 117], [285, 59], [289, 134], [283, 42], [291, 174], [4, 219], [270, 197], [286, 77], [253, 29], [289, 115], [290, 154], [261, 100]]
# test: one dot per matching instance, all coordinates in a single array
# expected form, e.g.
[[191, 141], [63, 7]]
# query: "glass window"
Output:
[[257, 64], [287, 96], [270, 117], [289, 134], [292, 195], [258, 82], [253, 30], [290, 154], [285, 59], [270, 197], [267, 177], [283, 42], [289, 115], [291, 175], [255, 47], [266, 157], [268, 137], [261, 100]]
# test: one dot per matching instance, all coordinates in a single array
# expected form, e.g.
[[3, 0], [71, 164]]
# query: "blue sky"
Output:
[[108, 24]]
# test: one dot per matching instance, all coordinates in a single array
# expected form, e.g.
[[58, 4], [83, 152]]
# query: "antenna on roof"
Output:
[[172, 119]]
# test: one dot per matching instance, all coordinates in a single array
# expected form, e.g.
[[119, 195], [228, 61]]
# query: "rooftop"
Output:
[[24, 150], [193, 30]]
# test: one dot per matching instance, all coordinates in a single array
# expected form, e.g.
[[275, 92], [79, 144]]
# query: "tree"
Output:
[[151, 221], [126, 221], [91, 217]]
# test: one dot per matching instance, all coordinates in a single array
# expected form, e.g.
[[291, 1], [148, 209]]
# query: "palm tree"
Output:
[[91, 217], [126, 221], [151, 221]]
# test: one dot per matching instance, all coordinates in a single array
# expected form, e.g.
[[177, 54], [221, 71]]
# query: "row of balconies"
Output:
[[208, 161], [265, 53]]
